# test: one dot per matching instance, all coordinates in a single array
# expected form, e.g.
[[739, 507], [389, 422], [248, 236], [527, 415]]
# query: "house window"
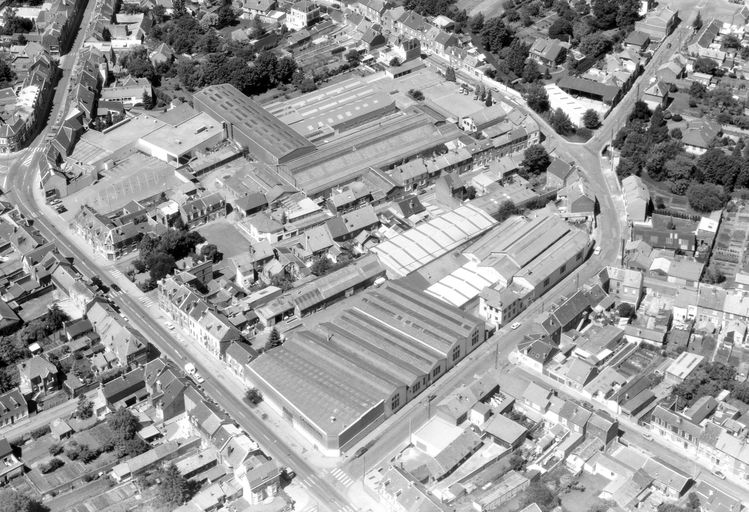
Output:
[[436, 372], [395, 403], [456, 353], [475, 338], [546, 282]]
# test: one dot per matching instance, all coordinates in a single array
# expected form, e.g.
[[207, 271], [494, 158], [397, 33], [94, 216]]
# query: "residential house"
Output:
[[557, 173], [260, 479], [577, 202], [636, 198], [483, 119], [699, 135], [203, 209], [637, 40], [129, 91], [625, 285], [13, 407], [238, 356], [124, 391], [163, 54], [38, 375], [187, 308], [11, 467], [658, 24], [126, 344], [302, 14], [656, 95], [547, 52], [672, 70], [112, 236]]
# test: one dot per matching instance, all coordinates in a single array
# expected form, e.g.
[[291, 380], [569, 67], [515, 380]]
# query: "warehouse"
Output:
[[423, 244], [353, 154], [335, 109], [338, 380], [250, 125]]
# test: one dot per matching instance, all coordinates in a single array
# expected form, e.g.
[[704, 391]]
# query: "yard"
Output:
[[490, 8], [228, 239], [584, 495]]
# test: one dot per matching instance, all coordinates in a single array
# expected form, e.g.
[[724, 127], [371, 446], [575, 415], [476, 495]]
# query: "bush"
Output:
[[55, 449], [73, 450], [706, 197], [51, 466], [40, 432]]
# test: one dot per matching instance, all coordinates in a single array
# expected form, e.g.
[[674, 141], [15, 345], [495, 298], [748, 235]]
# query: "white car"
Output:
[[515, 326], [170, 326], [193, 372], [597, 251]]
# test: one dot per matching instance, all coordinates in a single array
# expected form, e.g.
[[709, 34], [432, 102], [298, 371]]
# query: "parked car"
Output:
[[646, 436], [719, 474], [515, 326], [597, 251]]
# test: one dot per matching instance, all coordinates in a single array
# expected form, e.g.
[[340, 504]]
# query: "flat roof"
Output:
[[418, 246], [183, 138], [252, 120], [116, 139]]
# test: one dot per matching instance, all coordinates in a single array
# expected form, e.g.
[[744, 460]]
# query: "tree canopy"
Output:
[[495, 35], [14, 501], [535, 160], [591, 119], [174, 489], [537, 98], [706, 197]]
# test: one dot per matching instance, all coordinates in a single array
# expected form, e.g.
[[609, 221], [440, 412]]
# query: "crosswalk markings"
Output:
[[146, 301], [116, 273], [342, 477]]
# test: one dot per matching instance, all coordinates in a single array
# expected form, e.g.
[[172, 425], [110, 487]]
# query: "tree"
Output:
[[581, 7], [123, 423], [560, 29], [561, 122], [516, 56], [697, 23], [538, 493], [488, 101], [629, 12], [705, 65], [253, 396], [719, 168], [713, 275], [605, 13], [285, 69], [320, 266], [274, 339], [476, 24], [209, 252], [535, 160], [450, 74], [626, 167], [591, 120], [7, 75], [394, 62], [160, 265], [537, 98], [173, 488], [506, 210], [495, 35], [676, 134], [593, 45], [353, 58], [640, 112], [147, 101], [415, 94], [626, 310], [531, 73], [85, 408], [706, 197], [731, 41], [658, 130], [226, 16]]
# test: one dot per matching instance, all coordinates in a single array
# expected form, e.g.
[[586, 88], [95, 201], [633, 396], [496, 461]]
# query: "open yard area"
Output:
[[490, 8], [585, 494], [730, 250], [227, 238]]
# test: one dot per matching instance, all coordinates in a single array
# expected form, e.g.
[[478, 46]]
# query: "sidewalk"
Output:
[[38, 420], [664, 450]]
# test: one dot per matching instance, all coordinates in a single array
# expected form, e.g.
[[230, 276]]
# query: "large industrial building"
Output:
[[339, 380], [416, 247], [333, 110], [251, 126]]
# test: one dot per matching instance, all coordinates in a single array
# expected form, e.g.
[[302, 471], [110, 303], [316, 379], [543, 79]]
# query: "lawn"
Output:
[[490, 8]]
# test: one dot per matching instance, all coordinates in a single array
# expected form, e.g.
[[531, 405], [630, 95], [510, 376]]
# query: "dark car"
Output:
[[114, 287]]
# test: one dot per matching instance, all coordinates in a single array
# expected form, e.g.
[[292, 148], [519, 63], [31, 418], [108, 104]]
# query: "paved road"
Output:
[[62, 410]]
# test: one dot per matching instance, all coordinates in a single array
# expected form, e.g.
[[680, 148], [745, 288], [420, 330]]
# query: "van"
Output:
[[379, 281]]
